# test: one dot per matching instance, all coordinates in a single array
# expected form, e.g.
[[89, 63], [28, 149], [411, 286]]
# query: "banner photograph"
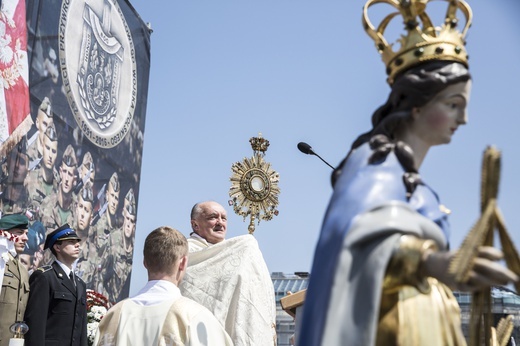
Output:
[[72, 143]]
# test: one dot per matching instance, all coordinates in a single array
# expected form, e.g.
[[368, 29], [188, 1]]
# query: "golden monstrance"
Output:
[[254, 186]]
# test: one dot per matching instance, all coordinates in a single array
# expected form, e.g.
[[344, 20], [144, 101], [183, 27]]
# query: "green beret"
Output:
[[13, 221]]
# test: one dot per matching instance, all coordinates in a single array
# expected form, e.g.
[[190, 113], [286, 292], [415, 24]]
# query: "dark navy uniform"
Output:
[[56, 312]]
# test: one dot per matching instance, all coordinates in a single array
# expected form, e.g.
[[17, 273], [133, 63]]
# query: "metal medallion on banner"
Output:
[[99, 69]]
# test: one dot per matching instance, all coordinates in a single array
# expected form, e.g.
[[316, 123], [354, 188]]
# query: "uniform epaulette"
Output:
[[45, 268]]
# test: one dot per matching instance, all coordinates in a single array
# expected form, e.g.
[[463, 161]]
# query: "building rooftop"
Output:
[[284, 282]]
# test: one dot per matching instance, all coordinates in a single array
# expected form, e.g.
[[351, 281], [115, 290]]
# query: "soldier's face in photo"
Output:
[[128, 224], [84, 169], [18, 168], [83, 214], [50, 152], [25, 260], [42, 122], [68, 178], [37, 258], [112, 199]]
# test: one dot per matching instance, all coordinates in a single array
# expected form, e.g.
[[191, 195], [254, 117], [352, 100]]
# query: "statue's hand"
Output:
[[485, 272]]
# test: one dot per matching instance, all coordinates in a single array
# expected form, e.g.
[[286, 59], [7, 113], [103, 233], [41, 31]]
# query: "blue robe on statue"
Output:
[[362, 189]]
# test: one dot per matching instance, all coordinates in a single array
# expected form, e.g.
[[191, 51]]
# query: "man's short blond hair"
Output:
[[163, 248]]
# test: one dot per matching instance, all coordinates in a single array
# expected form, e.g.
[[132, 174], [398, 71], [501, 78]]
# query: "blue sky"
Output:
[[223, 71]]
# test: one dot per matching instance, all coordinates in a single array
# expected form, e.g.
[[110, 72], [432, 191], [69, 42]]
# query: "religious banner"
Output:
[[80, 161]]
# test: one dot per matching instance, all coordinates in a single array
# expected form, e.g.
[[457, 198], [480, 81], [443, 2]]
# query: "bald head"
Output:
[[209, 220]]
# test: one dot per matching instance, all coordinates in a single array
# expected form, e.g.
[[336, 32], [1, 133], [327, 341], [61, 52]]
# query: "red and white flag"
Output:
[[14, 93]]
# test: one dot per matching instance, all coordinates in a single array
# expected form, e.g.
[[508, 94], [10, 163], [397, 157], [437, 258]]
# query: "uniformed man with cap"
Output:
[[105, 221], [56, 311], [15, 283], [88, 262], [86, 172], [44, 118], [56, 209], [108, 222], [42, 179]]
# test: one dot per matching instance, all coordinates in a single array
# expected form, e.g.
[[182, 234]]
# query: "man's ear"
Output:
[[194, 225], [144, 263], [183, 263]]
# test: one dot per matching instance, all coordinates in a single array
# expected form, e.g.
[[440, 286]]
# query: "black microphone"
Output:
[[307, 149]]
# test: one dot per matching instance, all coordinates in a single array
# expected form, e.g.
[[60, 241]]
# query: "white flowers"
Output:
[[97, 306], [96, 313], [94, 316], [91, 331]]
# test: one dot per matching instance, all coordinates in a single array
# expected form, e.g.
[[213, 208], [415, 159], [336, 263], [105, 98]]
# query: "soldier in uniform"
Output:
[[88, 261], [14, 197], [15, 283], [86, 173], [108, 220], [87, 168], [42, 181], [56, 209], [129, 198], [118, 264], [42, 121], [56, 311]]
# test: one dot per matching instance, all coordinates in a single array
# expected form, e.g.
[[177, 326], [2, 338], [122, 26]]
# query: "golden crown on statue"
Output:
[[422, 42]]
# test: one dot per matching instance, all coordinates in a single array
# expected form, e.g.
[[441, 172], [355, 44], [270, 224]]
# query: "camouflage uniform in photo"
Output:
[[117, 266], [19, 205], [38, 189], [32, 150], [102, 231], [53, 215], [89, 264]]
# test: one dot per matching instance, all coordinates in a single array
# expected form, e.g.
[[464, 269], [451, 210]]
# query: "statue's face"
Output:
[[436, 122]]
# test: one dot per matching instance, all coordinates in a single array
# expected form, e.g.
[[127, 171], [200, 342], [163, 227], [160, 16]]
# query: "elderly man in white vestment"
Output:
[[230, 278], [159, 314]]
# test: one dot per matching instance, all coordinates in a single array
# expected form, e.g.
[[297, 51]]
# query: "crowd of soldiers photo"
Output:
[[46, 181]]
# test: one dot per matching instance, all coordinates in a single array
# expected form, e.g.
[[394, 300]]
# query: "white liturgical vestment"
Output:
[[231, 279], [160, 315]]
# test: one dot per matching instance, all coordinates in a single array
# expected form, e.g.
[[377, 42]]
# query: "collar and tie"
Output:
[[71, 276]]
